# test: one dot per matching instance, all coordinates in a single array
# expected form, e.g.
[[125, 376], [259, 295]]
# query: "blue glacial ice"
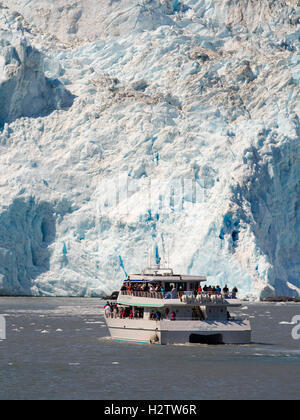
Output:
[[155, 128]]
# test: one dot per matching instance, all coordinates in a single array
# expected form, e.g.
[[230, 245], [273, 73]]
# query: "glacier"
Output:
[[136, 130]]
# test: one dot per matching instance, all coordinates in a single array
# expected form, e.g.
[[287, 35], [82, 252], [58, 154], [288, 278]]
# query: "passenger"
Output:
[[213, 290], [115, 310], [131, 314], [157, 316], [218, 290], [174, 292], [225, 290], [173, 316], [234, 292], [107, 311], [152, 315], [199, 289]]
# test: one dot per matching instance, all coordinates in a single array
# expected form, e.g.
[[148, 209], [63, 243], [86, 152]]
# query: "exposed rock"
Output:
[[282, 299]]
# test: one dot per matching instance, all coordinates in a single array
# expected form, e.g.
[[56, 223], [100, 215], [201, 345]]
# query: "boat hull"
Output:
[[180, 332]]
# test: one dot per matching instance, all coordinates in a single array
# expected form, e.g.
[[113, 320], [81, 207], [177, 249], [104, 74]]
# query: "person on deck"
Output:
[[234, 292], [107, 311], [225, 290], [174, 292], [157, 316], [152, 315]]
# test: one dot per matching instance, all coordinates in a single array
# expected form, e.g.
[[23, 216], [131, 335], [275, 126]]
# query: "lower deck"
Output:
[[180, 331]]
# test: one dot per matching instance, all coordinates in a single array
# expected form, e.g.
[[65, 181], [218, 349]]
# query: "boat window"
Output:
[[194, 286], [168, 287], [181, 287]]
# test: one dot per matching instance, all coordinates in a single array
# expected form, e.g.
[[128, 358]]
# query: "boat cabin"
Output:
[[165, 279]]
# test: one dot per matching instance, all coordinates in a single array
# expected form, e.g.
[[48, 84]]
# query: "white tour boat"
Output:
[[158, 306]]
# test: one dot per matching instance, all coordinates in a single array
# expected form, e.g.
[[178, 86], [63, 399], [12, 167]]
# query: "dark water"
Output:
[[59, 349]]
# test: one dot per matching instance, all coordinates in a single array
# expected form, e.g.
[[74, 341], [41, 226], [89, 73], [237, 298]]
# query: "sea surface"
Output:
[[60, 349]]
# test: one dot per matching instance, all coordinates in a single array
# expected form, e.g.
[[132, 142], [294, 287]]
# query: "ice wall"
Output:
[[27, 230], [89, 20], [181, 139], [24, 89]]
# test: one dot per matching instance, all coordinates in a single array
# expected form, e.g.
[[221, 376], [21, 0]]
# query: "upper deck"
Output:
[[159, 300], [160, 287]]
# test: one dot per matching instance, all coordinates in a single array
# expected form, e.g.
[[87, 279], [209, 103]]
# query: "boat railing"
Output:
[[138, 293], [185, 297], [166, 318], [201, 298]]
